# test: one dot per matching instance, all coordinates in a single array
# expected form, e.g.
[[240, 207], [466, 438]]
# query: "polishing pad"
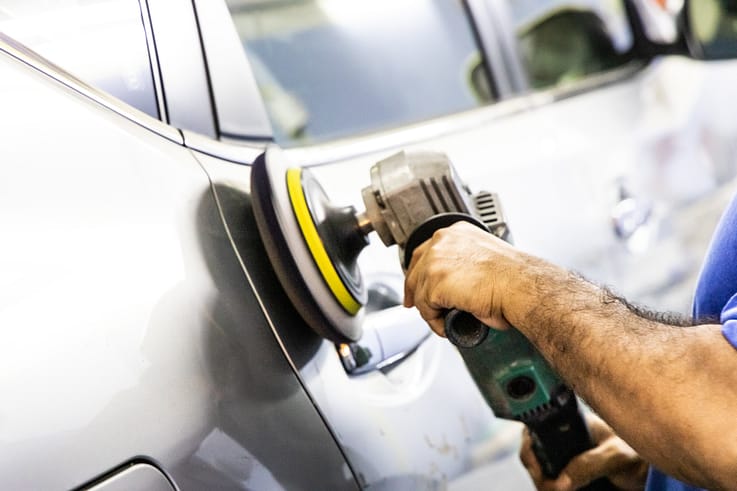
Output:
[[312, 245]]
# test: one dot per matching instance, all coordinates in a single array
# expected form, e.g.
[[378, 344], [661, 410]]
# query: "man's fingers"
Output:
[[584, 468], [432, 315], [595, 463], [417, 291], [570, 479], [611, 458], [598, 429], [438, 326], [412, 276], [529, 461]]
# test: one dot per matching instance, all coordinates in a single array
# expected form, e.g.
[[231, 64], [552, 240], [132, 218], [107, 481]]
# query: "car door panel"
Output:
[[129, 328]]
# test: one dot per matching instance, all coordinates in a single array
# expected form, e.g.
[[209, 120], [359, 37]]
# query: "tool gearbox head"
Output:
[[408, 189]]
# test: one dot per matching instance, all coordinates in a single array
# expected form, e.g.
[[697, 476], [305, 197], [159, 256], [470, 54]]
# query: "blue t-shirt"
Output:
[[715, 297]]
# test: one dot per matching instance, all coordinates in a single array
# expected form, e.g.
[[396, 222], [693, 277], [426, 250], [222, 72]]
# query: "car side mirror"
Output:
[[710, 28]]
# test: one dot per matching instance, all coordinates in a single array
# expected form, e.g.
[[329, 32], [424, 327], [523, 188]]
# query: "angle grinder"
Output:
[[314, 245]]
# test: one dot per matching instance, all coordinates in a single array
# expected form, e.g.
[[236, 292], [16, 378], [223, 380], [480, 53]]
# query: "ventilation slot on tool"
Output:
[[535, 412], [488, 208]]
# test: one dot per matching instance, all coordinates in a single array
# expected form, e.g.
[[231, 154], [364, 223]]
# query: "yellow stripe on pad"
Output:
[[315, 245]]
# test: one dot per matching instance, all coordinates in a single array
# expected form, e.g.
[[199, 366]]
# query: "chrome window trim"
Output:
[[240, 110], [32, 59], [181, 62], [594, 81], [244, 151], [236, 151]]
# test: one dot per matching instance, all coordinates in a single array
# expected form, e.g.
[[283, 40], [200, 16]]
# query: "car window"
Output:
[[334, 68], [102, 42], [564, 41]]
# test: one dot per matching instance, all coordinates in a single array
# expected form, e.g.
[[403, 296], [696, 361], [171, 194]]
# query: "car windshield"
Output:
[[337, 68]]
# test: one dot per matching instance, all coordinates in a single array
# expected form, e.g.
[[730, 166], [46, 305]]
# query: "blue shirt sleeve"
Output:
[[657, 481], [718, 280], [729, 321]]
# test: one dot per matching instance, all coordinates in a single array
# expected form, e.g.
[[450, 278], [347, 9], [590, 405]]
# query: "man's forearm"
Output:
[[658, 384]]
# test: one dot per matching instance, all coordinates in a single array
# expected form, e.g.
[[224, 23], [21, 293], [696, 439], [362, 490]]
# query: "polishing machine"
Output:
[[314, 245]]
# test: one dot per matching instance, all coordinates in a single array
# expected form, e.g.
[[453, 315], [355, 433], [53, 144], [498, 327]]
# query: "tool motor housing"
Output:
[[408, 189]]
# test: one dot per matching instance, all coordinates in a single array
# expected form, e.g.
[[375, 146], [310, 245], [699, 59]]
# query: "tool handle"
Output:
[[559, 434], [461, 328], [464, 330], [558, 430], [560, 447]]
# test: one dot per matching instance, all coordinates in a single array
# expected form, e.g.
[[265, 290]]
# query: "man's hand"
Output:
[[461, 267], [611, 458]]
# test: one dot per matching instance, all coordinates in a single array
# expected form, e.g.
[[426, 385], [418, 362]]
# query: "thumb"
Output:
[[586, 467], [562, 483]]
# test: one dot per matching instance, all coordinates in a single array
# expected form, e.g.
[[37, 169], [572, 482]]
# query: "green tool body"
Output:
[[518, 384]]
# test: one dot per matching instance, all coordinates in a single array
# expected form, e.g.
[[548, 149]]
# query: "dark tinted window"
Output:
[[100, 41]]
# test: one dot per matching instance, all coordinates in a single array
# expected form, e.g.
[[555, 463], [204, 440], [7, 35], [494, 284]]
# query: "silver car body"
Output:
[[144, 326]]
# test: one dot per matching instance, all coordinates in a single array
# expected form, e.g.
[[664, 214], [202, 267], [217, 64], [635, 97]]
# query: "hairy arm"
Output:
[[668, 390]]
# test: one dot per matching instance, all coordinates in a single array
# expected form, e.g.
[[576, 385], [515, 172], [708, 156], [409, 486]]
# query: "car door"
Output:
[[135, 355]]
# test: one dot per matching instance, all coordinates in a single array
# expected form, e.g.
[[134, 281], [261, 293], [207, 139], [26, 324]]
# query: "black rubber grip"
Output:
[[464, 330], [461, 328], [559, 433], [426, 229]]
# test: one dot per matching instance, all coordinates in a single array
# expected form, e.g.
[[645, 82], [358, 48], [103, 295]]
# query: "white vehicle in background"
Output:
[[148, 343]]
